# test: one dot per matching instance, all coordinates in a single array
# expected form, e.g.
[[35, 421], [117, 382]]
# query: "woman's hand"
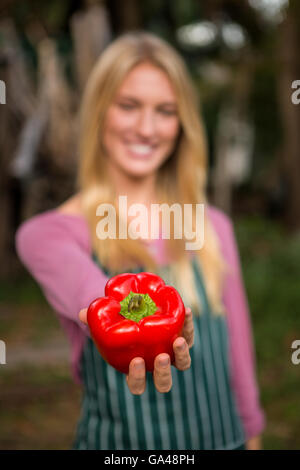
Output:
[[136, 378], [254, 443]]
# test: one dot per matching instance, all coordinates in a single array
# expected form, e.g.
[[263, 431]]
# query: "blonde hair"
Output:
[[181, 179]]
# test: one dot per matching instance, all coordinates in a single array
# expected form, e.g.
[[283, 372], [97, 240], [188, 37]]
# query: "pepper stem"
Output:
[[137, 306], [136, 303]]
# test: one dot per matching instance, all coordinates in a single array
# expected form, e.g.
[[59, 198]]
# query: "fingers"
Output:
[[182, 354], [136, 378], [83, 315], [182, 344], [162, 375], [188, 327]]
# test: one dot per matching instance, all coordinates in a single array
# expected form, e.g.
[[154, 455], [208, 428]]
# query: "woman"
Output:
[[141, 137]]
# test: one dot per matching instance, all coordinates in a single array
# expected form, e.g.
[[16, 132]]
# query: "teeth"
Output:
[[141, 149]]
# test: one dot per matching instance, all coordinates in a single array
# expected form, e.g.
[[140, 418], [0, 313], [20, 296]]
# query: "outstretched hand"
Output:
[[162, 376]]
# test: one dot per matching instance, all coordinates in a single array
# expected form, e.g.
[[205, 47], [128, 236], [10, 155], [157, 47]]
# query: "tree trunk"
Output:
[[91, 33], [289, 70]]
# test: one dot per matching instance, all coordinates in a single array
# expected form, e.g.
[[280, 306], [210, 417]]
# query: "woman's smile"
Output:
[[140, 151]]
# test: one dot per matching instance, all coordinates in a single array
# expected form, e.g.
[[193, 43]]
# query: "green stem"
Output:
[[137, 306]]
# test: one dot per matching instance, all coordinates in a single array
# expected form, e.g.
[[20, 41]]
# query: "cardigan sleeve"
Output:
[[241, 344], [54, 247]]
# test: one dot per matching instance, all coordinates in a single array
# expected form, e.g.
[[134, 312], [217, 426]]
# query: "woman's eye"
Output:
[[126, 106], [168, 112]]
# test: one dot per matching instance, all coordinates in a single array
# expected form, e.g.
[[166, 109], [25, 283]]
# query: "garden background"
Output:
[[244, 59]]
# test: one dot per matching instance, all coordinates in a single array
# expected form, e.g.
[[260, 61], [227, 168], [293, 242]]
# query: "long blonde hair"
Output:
[[181, 179]]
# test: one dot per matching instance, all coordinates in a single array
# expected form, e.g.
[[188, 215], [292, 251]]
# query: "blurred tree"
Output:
[[289, 70], [58, 43], [91, 33], [124, 15], [39, 136], [20, 102]]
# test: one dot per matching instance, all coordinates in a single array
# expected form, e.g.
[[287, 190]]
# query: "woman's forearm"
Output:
[[56, 251]]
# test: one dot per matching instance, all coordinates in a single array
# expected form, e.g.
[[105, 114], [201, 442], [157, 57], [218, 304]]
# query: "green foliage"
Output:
[[264, 109], [25, 315], [271, 267], [21, 290], [38, 398]]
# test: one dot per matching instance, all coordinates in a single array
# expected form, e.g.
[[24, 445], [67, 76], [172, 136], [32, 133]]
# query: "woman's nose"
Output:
[[145, 125]]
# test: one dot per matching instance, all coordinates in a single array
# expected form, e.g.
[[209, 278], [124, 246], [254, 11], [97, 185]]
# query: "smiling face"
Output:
[[142, 122]]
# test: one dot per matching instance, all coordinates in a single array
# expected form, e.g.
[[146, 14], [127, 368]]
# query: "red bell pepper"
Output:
[[140, 316]]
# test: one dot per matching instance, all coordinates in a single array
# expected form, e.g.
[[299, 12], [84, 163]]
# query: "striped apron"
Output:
[[199, 412]]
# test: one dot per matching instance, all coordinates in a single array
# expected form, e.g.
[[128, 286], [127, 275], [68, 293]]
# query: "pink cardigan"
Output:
[[50, 240]]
